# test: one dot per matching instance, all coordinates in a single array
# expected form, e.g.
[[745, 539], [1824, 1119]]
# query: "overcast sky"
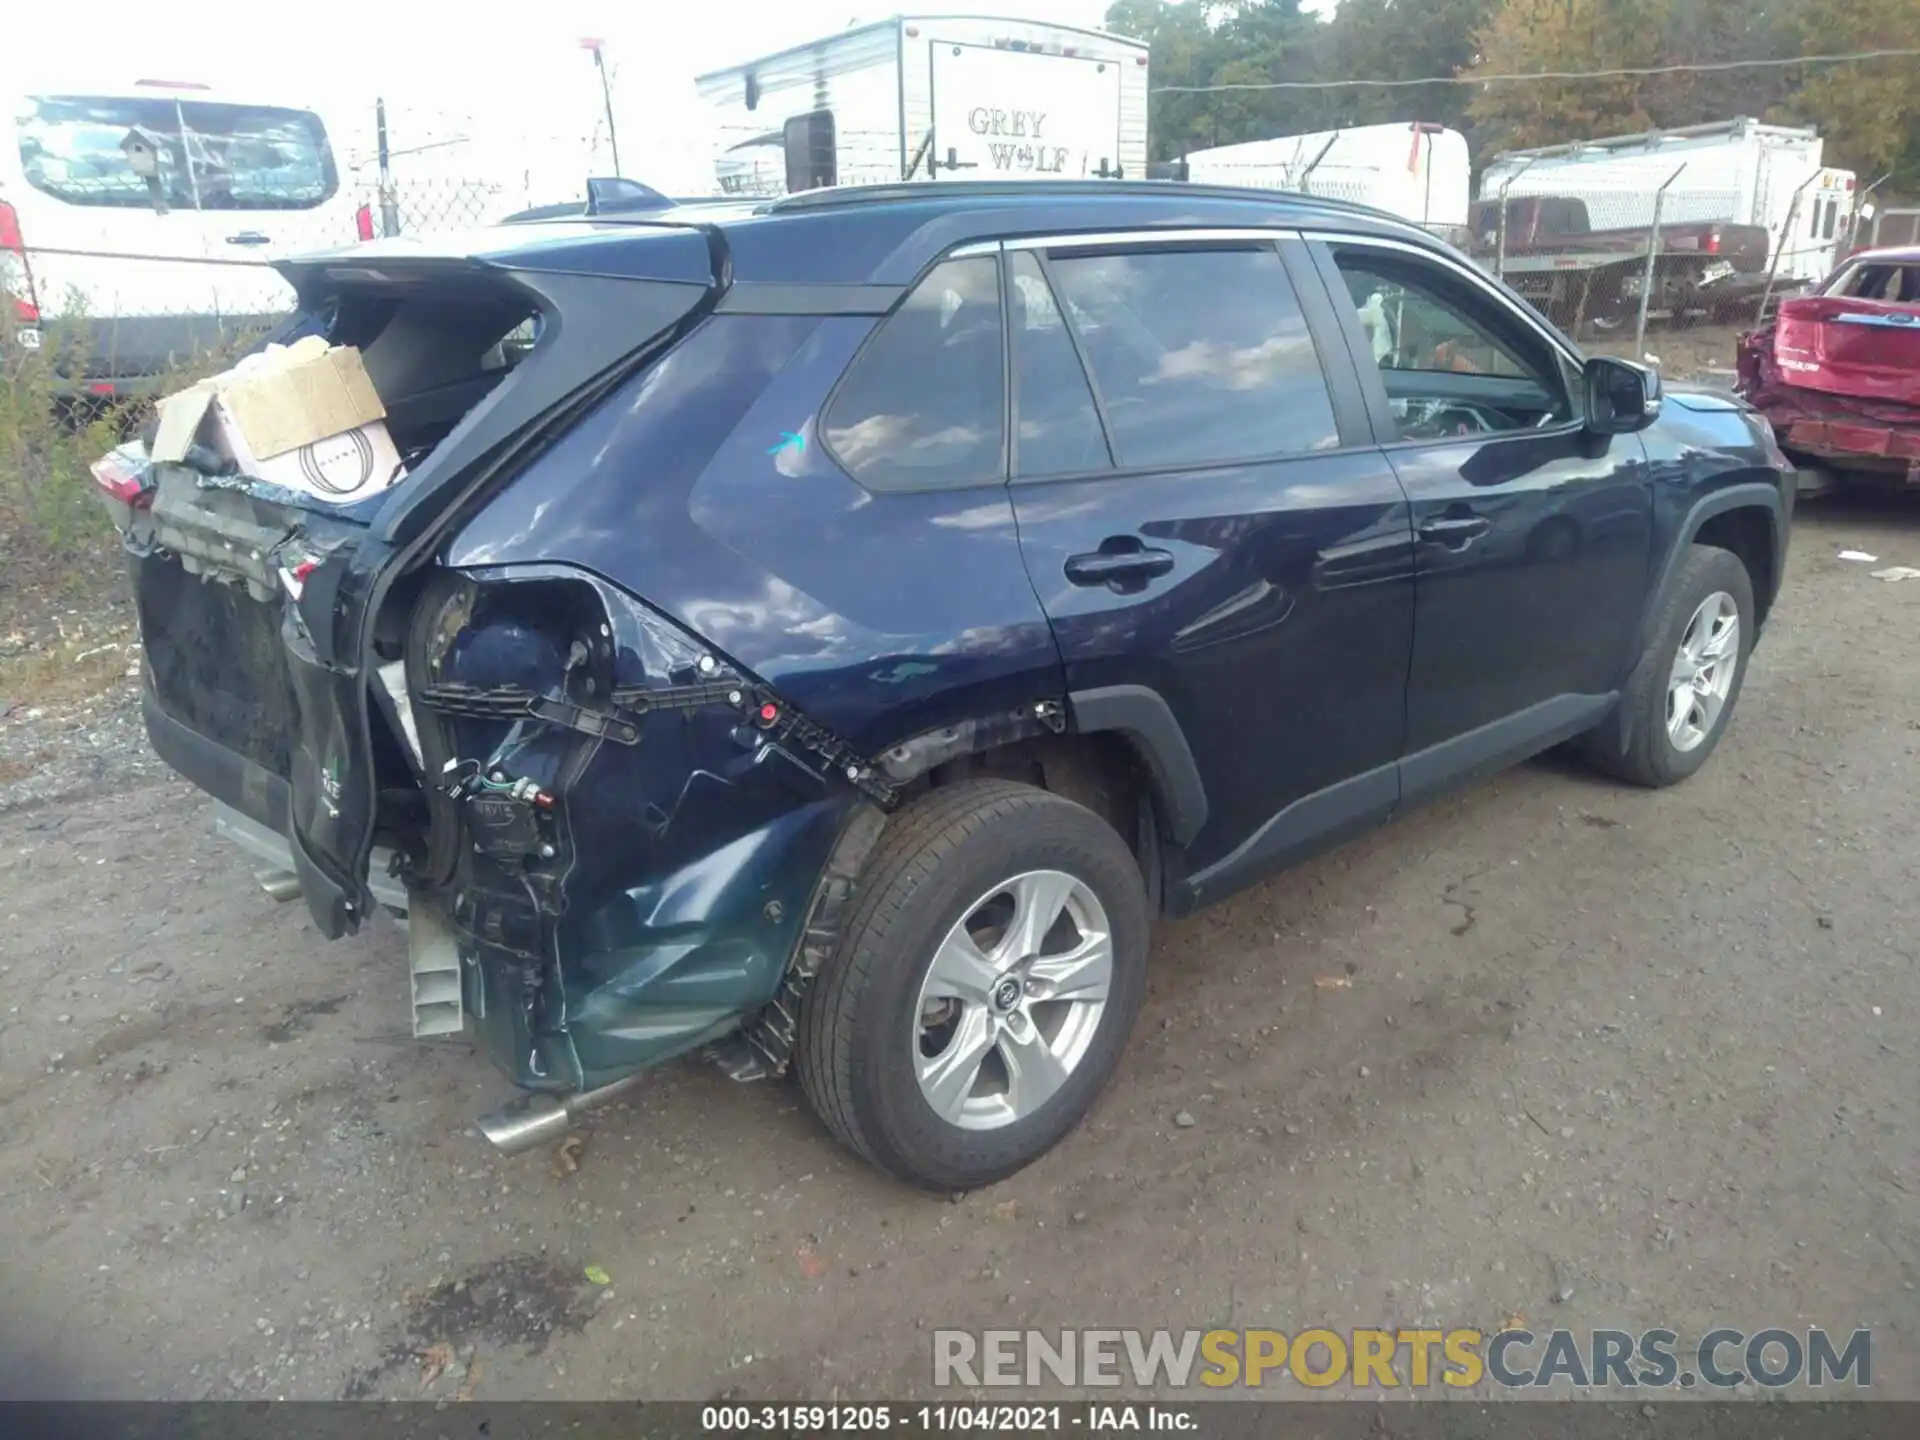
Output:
[[447, 68]]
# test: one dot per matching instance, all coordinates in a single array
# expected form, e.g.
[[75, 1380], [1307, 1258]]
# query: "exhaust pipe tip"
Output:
[[525, 1124], [535, 1120]]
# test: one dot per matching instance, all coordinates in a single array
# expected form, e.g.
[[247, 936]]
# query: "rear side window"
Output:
[[923, 406], [1897, 284], [1199, 355], [205, 156], [1056, 427]]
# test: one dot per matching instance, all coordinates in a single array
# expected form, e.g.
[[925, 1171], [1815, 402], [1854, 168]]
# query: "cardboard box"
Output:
[[304, 417]]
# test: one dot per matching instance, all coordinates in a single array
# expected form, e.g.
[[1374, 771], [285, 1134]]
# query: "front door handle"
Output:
[[1455, 530], [248, 237], [1117, 566]]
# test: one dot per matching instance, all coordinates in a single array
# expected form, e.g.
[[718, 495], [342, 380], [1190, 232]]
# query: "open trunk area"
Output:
[[263, 611]]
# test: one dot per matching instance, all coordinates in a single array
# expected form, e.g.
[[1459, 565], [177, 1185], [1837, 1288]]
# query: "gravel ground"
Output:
[[1550, 1049]]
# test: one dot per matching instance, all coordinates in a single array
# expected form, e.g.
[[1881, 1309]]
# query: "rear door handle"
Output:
[[249, 237], [1455, 530], [1113, 567]]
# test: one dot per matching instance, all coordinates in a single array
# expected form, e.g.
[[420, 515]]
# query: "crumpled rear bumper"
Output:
[[1873, 434]]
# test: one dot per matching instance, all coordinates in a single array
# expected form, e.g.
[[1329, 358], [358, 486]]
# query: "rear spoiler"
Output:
[[611, 195], [614, 195]]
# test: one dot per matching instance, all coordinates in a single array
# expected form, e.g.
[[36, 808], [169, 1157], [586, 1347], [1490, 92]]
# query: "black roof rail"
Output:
[[834, 196]]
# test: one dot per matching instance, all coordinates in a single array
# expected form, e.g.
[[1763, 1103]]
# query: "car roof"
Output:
[[186, 91], [888, 234], [1898, 254]]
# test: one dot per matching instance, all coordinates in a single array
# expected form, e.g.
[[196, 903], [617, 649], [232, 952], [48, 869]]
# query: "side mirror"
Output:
[[1622, 397]]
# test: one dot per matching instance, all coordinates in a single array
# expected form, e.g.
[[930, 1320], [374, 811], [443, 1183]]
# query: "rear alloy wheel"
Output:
[[1013, 1000], [983, 989], [1683, 690]]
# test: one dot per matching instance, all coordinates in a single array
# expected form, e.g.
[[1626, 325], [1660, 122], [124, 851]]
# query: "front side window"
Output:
[[206, 156], [1452, 360], [923, 406], [1199, 355]]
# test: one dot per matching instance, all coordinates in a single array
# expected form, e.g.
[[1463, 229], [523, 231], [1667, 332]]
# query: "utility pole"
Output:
[[606, 97]]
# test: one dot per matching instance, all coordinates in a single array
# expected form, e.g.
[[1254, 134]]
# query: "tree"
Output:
[[1868, 110], [1402, 40], [1527, 37], [1251, 42]]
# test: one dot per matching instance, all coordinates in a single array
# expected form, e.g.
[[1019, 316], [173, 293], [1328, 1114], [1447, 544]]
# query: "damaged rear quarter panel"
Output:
[[878, 616], [692, 856]]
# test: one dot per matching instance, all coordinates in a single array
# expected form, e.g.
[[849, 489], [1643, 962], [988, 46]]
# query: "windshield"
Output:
[[84, 149]]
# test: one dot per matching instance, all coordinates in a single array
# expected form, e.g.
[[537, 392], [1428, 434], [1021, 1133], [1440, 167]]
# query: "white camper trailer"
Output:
[[1737, 171], [946, 97], [1415, 170]]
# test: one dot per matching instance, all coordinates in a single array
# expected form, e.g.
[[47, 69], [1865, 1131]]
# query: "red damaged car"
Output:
[[1838, 372]]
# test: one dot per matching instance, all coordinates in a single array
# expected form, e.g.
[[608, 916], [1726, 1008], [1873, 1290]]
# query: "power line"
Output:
[[1623, 73]]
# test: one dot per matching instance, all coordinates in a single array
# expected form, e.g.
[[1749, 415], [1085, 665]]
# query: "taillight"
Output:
[[16, 276], [125, 474], [1712, 243], [363, 221]]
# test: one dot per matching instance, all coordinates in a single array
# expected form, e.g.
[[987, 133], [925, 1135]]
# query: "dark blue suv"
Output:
[[826, 633]]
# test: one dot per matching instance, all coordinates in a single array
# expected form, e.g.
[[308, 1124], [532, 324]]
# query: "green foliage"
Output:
[[53, 526], [47, 440], [1254, 41]]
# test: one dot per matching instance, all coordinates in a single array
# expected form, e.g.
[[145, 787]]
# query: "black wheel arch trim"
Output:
[[1139, 713], [1747, 495]]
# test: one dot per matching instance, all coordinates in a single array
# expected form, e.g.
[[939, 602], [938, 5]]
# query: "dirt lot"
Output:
[[1588, 1056]]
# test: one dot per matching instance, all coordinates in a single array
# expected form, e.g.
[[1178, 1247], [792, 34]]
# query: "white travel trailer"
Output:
[[938, 97], [1738, 171], [1415, 170]]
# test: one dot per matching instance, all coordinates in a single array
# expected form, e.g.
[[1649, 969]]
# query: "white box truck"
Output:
[[935, 97], [1737, 171], [1416, 170]]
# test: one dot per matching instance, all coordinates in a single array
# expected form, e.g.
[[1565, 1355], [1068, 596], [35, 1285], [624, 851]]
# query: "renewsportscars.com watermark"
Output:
[[1393, 1359]]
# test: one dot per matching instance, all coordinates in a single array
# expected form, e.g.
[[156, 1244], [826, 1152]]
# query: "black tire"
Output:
[[854, 1050], [1651, 758]]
